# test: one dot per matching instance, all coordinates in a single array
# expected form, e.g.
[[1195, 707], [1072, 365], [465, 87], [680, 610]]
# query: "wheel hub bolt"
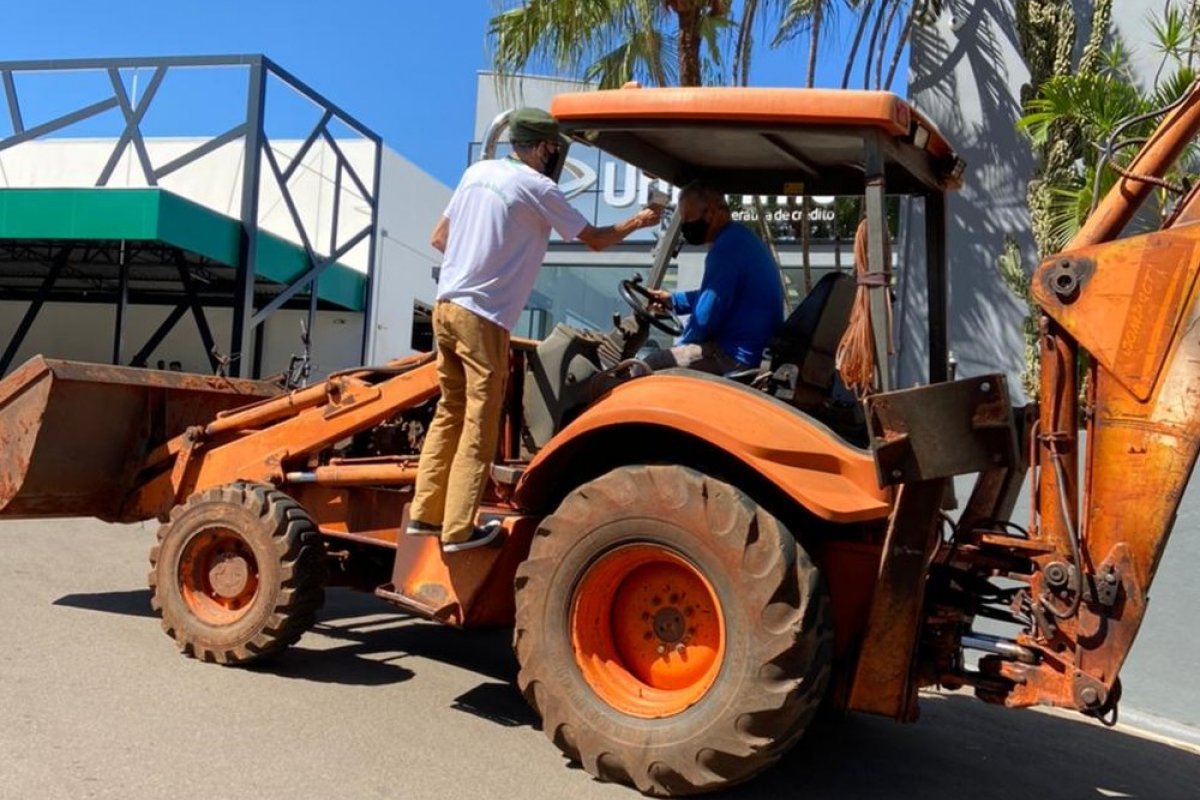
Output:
[[669, 625], [228, 576]]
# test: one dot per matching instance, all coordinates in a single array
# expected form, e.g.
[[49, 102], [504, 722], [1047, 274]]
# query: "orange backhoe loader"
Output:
[[694, 564]]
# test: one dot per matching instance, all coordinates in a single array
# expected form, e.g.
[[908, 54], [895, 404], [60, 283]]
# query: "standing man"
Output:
[[739, 305], [494, 234]]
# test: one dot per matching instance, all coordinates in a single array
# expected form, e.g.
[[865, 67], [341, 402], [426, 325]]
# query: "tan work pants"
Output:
[[472, 364]]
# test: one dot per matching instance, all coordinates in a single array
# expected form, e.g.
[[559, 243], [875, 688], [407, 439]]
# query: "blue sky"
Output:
[[406, 68]]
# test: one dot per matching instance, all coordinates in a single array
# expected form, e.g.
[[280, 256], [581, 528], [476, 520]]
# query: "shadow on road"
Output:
[[485, 652], [499, 702], [374, 636], [354, 665], [133, 603], [962, 747]]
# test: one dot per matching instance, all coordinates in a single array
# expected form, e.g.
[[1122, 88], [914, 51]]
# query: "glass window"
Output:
[[583, 297]]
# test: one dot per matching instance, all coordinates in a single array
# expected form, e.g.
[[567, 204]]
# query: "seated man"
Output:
[[739, 304]]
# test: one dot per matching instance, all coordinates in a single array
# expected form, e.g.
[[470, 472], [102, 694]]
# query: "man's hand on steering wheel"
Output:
[[660, 300], [652, 305]]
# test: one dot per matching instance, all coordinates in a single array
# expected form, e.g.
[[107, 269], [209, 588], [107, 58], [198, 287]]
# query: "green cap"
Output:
[[531, 125]]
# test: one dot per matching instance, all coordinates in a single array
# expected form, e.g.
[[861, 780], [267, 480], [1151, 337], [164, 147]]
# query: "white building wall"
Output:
[[410, 201], [84, 332], [410, 204]]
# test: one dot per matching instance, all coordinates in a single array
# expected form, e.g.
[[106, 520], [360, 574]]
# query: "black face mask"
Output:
[[694, 231], [548, 164]]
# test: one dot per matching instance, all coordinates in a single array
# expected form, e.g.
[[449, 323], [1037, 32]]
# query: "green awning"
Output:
[[158, 215]]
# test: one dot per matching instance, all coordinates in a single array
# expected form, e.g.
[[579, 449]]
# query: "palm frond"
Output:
[[1097, 103], [1116, 61], [1173, 87], [714, 34], [1172, 31], [548, 33], [608, 41], [1068, 209], [612, 69], [795, 21], [1175, 33]]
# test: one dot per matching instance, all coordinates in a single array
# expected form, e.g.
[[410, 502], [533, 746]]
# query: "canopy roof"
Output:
[[765, 141], [160, 232]]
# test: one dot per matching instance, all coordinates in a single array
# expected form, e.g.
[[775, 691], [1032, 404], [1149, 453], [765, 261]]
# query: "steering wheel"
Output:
[[639, 299]]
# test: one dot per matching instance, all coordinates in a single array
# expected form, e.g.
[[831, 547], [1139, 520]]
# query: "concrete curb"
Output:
[[1159, 729], [1131, 721]]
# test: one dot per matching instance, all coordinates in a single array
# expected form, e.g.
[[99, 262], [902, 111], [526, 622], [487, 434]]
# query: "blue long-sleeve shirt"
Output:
[[739, 304]]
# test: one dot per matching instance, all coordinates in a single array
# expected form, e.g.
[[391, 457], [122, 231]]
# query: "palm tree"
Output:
[[613, 41], [798, 16], [1092, 102], [774, 13], [700, 22], [864, 8], [881, 10], [744, 44], [801, 15], [885, 14], [920, 12], [1075, 106]]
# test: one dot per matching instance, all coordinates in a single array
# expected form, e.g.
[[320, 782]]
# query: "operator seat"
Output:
[[803, 351], [808, 339], [804, 358], [805, 345]]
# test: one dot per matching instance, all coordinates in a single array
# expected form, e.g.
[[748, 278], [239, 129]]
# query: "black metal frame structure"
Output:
[[248, 315]]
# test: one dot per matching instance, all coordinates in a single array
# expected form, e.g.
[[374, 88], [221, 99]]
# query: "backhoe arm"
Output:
[[1131, 305]]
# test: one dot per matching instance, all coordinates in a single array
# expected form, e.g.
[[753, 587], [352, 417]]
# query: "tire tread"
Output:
[[298, 546], [794, 631]]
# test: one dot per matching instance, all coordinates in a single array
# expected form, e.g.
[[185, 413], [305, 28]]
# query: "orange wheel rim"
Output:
[[647, 631], [218, 576]]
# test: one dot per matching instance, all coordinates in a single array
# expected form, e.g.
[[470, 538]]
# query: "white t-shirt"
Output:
[[500, 220]]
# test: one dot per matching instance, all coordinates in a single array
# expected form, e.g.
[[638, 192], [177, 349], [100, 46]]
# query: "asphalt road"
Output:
[[95, 703]]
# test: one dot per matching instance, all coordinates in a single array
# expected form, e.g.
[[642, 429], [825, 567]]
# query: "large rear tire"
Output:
[[237, 573], [672, 634]]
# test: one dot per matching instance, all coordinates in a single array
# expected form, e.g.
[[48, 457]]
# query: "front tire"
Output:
[[237, 573], [673, 635]]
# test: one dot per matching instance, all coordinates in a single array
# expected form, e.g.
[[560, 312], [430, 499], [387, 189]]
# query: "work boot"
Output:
[[418, 528], [481, 536]]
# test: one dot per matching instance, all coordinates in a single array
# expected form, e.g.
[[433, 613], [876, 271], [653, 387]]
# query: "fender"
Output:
[[832, 479]]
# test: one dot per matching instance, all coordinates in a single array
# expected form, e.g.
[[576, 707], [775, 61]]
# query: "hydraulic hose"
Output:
[[1060, 473]]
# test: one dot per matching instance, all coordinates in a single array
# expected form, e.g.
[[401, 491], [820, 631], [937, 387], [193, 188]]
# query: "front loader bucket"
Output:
[[73, 435]]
